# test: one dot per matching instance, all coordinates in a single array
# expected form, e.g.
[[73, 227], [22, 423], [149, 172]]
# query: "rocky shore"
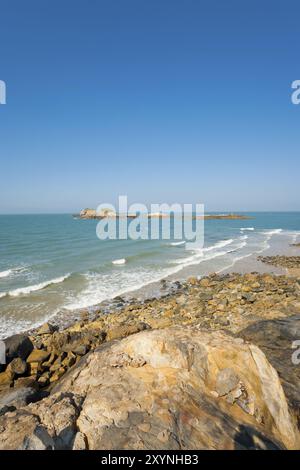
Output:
[[206, 366], [289, 262]]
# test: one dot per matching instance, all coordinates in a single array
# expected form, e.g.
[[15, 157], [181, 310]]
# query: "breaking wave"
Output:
[[36, 287]]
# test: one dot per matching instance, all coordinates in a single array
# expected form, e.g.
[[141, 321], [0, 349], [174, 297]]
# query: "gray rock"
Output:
[[18, 346], [15, 398]]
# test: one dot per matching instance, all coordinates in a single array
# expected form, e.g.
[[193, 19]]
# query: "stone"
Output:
[[46, 329], [29, 382], [79, 442], [34, 368], [53, 356], [17, 397], [275, 338], [17, 366], [6, 378], [43, 380], [18, 346], [80, 350], [70, 360], [38, 355], [57, 374], [204, 282], [125, 330]]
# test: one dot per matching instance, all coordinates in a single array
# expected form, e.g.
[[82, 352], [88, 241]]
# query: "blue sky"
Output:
[[162, 100]]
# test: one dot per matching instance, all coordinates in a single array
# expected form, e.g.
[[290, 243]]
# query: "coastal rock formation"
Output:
[[231, 302], [175, 388], [203, 318], [281, 261], [227, 217], [93, 214]]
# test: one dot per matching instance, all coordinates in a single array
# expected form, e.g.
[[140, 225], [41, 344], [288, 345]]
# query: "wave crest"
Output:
[[36, 287], [6, 273]]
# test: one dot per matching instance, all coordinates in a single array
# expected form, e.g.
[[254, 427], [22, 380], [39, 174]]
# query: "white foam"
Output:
[[102, 287], [6, 273], [178, 243], [107, 286], [36, 287], [272, 232], [269, 234], [219, 244], [247, 228], [11, 271], [119, 261]]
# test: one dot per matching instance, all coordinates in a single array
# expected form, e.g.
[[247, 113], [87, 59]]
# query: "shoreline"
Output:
[[157, 289], [65, 318], [253, 304], [222, 310]]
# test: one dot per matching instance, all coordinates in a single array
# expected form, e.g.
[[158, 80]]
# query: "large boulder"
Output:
[[175, 388], [276, 338], [18, 346]]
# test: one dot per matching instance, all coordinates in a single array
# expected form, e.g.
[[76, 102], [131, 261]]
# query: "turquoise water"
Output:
[[50, 263]]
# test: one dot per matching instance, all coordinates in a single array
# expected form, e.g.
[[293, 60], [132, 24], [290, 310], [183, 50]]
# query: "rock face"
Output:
[[176, 388], [275, 338]]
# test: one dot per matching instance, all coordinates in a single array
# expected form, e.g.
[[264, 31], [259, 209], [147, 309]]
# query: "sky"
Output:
[[160, 100]]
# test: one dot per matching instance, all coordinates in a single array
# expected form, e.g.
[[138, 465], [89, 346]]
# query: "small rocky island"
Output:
[[93, 214]]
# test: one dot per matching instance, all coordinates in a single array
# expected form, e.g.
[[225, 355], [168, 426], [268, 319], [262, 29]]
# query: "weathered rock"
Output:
[[166, 401], [125, 330], [17, 397], [275, 338], [18, 346], [46, 329], [6, 378], [281, 261], [37, 356], [17, 366], [71, 340], [227, 380]]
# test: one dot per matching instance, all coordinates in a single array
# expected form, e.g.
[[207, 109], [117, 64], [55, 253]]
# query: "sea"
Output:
[[54, 264]]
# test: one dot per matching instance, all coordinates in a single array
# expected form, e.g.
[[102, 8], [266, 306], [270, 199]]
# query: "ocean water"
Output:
[[55, 263]]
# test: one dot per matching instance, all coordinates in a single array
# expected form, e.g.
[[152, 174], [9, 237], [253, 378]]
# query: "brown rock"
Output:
[[17, 366], [38, 356], [46, 329], [6, 378]]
